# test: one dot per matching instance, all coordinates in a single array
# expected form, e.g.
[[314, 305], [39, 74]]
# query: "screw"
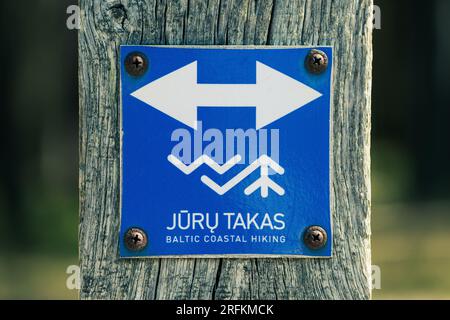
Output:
[[135, 239], [136, 64], [315, 237], [316, 61]]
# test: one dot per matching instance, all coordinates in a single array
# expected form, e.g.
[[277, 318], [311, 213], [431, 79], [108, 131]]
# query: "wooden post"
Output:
[[106, 24]]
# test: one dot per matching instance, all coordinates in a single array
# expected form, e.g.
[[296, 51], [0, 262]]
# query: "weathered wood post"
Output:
[[105, 25]]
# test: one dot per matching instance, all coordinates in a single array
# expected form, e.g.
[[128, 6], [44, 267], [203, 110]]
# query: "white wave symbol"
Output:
[[264, 183]]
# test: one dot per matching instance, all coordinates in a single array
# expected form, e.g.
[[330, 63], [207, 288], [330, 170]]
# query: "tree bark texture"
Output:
[[105, 25]]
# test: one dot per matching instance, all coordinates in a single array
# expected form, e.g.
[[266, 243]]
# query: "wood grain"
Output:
[[105, 25]]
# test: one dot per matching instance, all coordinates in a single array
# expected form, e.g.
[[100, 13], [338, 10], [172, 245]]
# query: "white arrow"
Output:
[[264, 182], [178, 94]]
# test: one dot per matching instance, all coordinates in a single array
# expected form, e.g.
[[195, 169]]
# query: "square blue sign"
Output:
[[225, 151]]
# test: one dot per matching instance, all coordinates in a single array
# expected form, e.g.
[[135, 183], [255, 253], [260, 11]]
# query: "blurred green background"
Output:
[[410, 150]]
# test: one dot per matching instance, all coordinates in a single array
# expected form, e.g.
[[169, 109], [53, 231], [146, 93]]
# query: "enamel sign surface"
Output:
[[225, 151]]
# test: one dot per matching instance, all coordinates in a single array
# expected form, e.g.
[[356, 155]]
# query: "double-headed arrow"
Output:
[[178, 94]]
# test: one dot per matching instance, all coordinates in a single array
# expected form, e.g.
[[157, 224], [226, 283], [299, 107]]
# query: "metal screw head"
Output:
[[315, 237], [316, 61], [135, 239], [136, 64]]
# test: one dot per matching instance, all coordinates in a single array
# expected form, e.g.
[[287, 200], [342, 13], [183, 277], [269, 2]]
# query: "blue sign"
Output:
[[225, 151]]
